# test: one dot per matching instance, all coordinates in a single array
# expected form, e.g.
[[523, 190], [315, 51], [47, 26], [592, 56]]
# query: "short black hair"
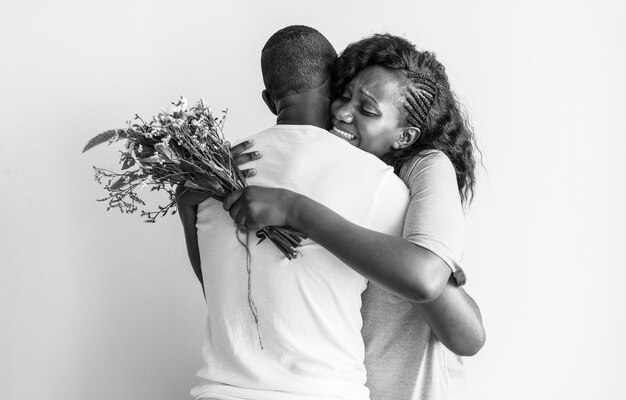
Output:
[[296, 59]]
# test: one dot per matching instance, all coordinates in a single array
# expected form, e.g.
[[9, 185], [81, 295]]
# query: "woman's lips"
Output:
[[343, 134]]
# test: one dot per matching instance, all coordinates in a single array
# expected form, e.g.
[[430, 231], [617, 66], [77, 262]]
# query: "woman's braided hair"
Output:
[[428, 103]]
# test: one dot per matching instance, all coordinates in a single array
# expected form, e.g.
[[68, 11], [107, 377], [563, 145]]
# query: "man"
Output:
[[279, 329]]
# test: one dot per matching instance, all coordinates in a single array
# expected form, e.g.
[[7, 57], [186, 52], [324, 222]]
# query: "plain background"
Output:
[[97, 305]]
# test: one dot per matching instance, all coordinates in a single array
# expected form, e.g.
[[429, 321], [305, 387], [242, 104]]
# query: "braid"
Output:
[[419, 98], [428, 104]]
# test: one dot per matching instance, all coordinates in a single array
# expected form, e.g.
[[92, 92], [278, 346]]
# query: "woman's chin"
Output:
[[354, 142]]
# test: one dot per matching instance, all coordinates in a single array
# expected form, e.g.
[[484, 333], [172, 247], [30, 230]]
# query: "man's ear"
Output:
[[269, 102], [408, 137]]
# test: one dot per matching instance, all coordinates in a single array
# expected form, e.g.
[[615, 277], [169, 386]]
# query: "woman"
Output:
[[395, 102]]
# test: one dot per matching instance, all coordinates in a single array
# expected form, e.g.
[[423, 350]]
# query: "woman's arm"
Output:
[[455, 319], [405, 269], [401, 267]]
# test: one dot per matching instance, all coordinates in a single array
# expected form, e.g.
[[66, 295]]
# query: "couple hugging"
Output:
[[372, 160]]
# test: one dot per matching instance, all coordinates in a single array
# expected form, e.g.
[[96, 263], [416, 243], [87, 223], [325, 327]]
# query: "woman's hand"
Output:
[[255, 207], [189, 197], [242, 158]]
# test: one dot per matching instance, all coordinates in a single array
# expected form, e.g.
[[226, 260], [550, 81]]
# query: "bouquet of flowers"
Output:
[[184, 146]]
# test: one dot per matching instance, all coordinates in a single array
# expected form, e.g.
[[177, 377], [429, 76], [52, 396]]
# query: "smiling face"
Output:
[[367, 114]]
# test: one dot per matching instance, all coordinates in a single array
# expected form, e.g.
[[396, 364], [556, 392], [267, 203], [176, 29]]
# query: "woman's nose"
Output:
[[344, 114]]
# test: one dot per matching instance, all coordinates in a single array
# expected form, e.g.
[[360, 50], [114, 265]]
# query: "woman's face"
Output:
[[366, 114]]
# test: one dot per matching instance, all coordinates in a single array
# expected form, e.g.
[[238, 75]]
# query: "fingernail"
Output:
[[252, 172], [257, 153]]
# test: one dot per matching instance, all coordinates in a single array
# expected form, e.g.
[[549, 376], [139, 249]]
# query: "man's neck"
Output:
[[305, 109]]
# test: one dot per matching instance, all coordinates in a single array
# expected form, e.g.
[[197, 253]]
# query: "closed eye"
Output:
[[368, 112]]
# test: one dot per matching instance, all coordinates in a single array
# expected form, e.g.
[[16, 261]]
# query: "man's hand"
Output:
[[255, 207]]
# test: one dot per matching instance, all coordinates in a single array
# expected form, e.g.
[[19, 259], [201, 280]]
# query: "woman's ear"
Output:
[[408, 137], [269, 102]]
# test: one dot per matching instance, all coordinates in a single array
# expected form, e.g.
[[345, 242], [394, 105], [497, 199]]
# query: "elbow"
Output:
[[426, 292], [470, 347], [426, 288], [475, 348], [428, 277]]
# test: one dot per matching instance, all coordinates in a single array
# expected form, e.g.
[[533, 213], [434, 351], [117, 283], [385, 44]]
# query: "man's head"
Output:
[[295, 60]]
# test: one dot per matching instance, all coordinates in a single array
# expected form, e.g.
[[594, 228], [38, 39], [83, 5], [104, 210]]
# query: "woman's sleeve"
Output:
[[434, 217]]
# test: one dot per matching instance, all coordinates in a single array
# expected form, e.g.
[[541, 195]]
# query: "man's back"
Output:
[[308, 308]]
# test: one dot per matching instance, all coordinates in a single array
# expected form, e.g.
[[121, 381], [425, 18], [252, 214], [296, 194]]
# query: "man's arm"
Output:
[[187, 210], [188, 200]]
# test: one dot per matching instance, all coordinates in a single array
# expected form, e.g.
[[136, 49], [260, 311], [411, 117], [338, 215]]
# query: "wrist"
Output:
[[292, 215]]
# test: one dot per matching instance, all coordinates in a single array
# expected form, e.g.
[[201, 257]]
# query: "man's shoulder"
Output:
[[287, 137], [314, 142], [290, 129], [324, 154]]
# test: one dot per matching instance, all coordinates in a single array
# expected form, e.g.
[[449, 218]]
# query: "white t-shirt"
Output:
[[308, 308], [404, 359]]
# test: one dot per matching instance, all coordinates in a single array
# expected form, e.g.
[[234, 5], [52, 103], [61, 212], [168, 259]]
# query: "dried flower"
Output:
[[183, 146]]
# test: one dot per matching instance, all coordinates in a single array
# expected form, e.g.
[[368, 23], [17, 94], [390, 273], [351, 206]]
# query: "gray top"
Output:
[[403, 359]]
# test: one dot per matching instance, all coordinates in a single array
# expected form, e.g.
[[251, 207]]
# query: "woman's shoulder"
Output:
[[427, 162]]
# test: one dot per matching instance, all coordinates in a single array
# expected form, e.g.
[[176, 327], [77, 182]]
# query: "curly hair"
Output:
[[428, 103]]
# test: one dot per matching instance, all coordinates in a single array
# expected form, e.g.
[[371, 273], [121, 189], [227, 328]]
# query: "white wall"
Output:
[[99, 305]]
